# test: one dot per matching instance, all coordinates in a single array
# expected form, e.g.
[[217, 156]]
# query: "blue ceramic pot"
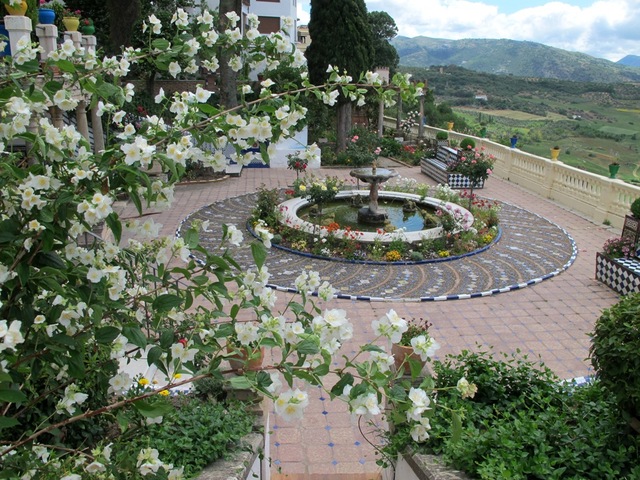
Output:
[[46, 16]]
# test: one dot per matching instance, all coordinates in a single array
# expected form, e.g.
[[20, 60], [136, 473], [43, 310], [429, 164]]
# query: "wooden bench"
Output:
[[438, 169]]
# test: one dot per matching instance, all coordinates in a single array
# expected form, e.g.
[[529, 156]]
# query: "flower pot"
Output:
[[613, 170], [449, 125], [555, 152], [19, 10], [239, 360], [400, 354], [514, 141], [46, 16], [71, 23], [88, 29]]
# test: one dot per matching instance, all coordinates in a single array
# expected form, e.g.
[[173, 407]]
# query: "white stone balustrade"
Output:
[[20, 27], [596, 197]]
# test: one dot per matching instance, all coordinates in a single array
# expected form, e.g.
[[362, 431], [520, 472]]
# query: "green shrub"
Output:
[[442, 136], [615, 347], [193, 435], [523, 423], [390, 147], [467, 143], [635, 208]]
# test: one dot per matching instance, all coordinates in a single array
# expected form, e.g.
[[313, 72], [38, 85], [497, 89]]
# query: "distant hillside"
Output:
[[630, 61], [511, 57]]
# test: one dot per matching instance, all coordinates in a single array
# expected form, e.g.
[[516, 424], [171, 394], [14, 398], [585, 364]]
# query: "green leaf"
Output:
[[306, 376], [310, 346], [12, 396], [240, 383], [224, 330], [347, 379], [191, 238], [154, 354], [456, 427], [152, 409], [321, 370], [135, 335], [107, 335], [113, 222], [166, 302], [259, 252], [76, 364], [208, 109], [369, 347], [8, 422], [166, 338], [160, 44], [66, 66]]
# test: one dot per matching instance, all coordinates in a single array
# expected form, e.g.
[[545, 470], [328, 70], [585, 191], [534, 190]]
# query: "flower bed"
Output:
[[337, 242]]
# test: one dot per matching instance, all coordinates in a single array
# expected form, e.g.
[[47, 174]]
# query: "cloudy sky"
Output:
[[602, 28]]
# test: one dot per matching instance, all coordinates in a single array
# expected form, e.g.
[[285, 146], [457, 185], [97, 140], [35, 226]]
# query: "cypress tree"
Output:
[[340, 36]]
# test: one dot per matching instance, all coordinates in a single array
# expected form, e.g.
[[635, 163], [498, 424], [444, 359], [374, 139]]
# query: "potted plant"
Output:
[[514, 141], [47, 12], [555, 152], [87, 27], [297, 163], [71, 19], [613, 169], [415, 347], [15, 7], [442, 138], [473, 164]]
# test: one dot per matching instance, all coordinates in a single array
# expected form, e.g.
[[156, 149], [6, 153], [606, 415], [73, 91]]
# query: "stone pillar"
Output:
[[98, 134], [89, 43], [33, 129], [75, 37], [48, 38], [18, 27], [56, 117], [81, 118]]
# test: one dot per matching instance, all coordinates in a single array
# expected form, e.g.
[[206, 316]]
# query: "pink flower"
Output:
[[489, 172], [377, 150]]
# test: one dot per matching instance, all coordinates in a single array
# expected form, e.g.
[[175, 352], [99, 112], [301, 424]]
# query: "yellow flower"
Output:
[[164, 393], [302, 188], [143, 381], [443, 253]]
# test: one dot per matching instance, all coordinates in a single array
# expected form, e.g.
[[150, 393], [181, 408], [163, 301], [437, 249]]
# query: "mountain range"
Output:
[[513, 57]]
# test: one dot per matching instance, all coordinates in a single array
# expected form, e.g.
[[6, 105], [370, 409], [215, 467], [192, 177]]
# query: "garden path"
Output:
[[550, 319]]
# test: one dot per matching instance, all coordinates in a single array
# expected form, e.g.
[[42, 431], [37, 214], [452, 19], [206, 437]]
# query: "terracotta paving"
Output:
[[550, 320]]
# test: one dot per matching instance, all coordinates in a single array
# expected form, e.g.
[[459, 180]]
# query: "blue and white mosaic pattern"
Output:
[[531, 250]]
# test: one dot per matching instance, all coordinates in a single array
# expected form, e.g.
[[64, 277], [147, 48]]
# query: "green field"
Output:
[[594, 124]]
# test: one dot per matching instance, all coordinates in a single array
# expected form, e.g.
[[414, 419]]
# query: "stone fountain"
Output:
[[374, 176]]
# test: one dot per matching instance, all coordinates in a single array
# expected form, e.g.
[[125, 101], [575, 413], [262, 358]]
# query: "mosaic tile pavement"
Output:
[[531, 249]]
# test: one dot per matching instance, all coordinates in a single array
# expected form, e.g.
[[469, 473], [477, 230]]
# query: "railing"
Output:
[[595, 197], [19, 29]]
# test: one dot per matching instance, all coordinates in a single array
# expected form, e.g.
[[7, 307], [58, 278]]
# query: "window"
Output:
[[269, 24]]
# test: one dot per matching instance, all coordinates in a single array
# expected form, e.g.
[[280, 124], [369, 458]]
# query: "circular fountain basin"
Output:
[[290, 218]]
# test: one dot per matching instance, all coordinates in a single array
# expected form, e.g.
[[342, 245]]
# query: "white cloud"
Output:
[[604, 28]]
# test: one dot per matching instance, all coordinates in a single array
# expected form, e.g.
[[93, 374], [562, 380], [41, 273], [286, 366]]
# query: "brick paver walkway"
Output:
[[550, 320]]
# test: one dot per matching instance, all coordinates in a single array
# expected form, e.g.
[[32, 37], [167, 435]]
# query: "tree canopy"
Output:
[[383, 29], [341, 36]]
